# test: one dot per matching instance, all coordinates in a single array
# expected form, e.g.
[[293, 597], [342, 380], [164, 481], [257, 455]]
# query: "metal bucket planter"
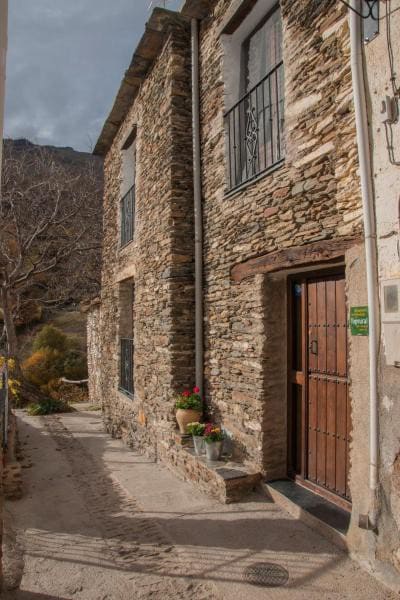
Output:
[[198, 443], [214, 450]]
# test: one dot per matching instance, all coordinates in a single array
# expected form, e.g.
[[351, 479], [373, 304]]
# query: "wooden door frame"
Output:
[[303, 278]]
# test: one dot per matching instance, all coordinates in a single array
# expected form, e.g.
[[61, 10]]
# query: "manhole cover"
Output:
[[266, 574]]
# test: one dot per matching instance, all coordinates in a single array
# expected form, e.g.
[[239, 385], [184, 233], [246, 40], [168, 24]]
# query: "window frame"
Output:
[[273, 150], [128, 194], [245, 49], [126, 334]]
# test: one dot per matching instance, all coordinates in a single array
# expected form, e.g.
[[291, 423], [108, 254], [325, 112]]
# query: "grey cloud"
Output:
[[65, 63]]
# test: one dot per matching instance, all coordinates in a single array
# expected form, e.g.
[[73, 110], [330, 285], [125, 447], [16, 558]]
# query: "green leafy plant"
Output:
[[43, 366], [195, 428], [55, 355], [212, 433], [51, 337], [75, 365], [48, 407], [189, 400]]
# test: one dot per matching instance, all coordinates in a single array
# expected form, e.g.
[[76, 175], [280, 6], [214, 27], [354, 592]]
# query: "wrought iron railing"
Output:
[[126, 366], [127, 216], [254, 130]]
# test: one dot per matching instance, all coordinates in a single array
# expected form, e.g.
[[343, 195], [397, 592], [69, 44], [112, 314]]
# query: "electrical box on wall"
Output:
[[390, 301]]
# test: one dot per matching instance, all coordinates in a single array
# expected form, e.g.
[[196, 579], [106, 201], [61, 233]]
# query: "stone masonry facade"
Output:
[[159, 261], [311, 197]]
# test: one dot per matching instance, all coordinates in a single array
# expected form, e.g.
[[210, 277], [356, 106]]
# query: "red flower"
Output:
[[186, 393], [208, 428], [196, 390]]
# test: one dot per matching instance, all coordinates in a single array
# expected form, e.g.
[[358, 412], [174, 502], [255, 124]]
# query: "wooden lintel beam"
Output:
[[316, 253]]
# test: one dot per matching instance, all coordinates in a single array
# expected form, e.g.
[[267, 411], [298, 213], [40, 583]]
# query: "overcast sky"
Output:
[[66, 59]]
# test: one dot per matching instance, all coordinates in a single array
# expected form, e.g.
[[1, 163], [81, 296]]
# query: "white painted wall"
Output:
[[386, 175], [3, 50], [386, 178]]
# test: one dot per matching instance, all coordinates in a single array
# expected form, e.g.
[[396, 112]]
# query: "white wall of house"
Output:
[[386, 174], [3, 51], [381, 79]]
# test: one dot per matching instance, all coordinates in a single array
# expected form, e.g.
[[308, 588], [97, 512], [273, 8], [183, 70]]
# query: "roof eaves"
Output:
[[197, 9]]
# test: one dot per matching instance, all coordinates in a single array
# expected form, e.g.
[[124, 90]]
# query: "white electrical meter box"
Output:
[[390, 302]]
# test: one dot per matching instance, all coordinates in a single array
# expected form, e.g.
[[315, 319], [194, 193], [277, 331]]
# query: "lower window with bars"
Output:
[[126, 366]]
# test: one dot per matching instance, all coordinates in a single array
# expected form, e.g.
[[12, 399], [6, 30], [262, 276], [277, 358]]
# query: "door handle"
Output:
[[314, 347]]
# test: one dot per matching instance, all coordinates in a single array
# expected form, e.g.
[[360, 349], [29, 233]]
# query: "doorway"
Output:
[[319, 419]]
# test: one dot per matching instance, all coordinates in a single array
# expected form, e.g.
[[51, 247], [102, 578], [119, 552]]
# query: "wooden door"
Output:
[[319, 447]]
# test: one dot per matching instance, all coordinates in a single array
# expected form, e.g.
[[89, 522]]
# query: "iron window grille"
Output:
[[255, 129], [126, 366], [127, 216]]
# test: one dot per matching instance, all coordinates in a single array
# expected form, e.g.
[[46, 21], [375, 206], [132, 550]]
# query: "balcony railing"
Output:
[[126, 366], [127, 216], [254, 130]]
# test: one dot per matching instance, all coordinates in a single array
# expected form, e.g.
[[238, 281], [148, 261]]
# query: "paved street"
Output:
[[98, 522]]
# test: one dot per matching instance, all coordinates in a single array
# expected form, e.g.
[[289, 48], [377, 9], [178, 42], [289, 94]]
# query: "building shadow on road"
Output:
[[214, 546]]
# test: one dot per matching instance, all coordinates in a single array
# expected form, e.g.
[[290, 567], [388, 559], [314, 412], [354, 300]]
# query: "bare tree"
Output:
[[50, 232]]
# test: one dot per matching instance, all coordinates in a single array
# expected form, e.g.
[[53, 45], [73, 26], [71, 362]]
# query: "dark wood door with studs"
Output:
[[319, 409], [329, 419]]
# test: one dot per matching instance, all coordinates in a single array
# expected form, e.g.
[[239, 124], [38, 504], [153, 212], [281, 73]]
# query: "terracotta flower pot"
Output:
[[184, 416]]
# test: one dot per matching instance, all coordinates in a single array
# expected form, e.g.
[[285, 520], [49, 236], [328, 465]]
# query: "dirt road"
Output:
[[98, 522]]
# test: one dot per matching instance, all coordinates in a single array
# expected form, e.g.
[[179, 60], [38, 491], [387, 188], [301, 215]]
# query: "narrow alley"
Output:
[[98, 521]]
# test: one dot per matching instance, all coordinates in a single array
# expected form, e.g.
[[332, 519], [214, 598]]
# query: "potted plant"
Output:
[[213, 437], [197, 431], [188, 408]]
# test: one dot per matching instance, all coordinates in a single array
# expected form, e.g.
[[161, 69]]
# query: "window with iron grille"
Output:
[[126, 337], [127, 216], [127, 207], [254, 125], [126, 366]]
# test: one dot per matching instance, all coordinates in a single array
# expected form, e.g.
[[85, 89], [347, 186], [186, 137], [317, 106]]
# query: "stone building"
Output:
[[283, 289]]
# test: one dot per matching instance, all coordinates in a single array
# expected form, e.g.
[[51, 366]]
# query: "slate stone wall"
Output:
[[313, 196], [159, 260]]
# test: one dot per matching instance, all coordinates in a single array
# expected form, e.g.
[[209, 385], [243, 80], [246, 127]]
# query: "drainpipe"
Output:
[[367, 521], [198, 216]]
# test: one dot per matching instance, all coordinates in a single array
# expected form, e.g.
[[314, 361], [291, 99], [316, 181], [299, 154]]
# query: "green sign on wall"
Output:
[[359, 321]]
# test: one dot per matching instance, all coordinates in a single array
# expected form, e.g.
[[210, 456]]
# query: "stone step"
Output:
[[315, 512], [225, 480]]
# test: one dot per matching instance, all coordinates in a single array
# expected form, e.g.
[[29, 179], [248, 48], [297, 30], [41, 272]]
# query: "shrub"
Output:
[[48, 407], [75, 365], [51, 337], [43, 366], [55, 355], [13, 384]]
